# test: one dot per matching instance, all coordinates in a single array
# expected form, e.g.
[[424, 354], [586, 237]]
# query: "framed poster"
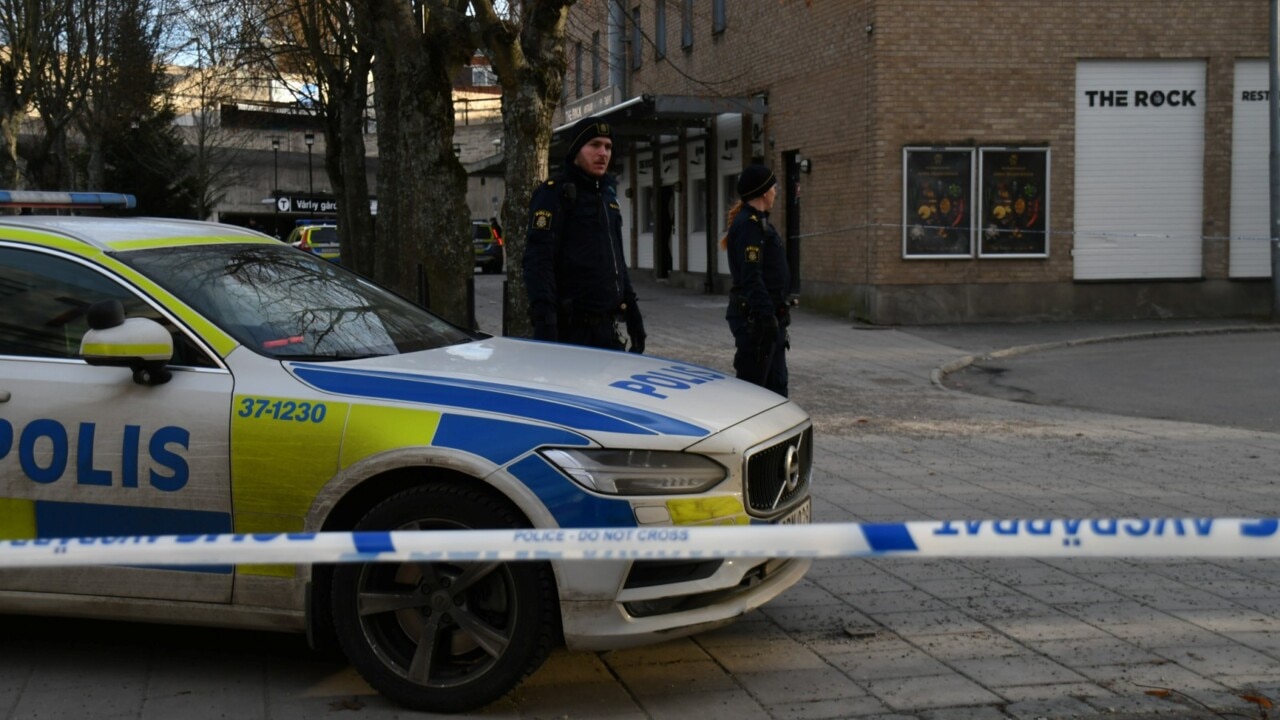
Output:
[[937, 215], [1014, 213]]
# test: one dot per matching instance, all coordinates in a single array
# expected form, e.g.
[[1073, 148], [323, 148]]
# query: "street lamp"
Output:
[[310, 137], [275, 182]]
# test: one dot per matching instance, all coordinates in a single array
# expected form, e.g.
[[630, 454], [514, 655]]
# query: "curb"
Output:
[[938, 374]]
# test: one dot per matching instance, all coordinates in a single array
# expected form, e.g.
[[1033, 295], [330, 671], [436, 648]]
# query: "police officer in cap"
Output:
[[759, 301], [574, 269]]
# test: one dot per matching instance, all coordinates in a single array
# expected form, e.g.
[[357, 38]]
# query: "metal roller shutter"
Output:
[[1139, 180], [1250, 204]]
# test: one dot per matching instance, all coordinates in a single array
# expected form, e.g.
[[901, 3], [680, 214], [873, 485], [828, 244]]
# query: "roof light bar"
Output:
[[43, 199]]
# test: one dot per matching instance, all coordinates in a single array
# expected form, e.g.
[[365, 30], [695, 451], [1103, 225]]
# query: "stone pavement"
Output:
[[887, 638]]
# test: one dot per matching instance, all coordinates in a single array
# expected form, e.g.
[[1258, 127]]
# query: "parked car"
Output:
[[321, 240], [490, 254], [178, 377]]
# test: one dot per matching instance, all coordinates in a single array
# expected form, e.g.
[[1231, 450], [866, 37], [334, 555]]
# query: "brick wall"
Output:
[[937, 72]]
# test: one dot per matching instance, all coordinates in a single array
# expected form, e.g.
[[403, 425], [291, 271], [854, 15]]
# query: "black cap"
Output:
[[583, 132], [755, 181]]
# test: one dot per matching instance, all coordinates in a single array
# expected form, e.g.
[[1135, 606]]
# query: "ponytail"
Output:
[[733, 213]]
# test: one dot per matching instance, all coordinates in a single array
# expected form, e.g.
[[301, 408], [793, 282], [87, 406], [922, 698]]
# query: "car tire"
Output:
[[487, 626]]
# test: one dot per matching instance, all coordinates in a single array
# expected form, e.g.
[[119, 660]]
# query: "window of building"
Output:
[[648, 210], [698, 205], [595, 61], [659, 29], [686, 24], [717, 16], [636, 38], [577, 69]]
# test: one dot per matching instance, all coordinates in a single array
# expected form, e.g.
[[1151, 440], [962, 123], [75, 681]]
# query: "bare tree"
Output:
[[213, 54], [58, 97], [320, 43], [27, 32], [527, 52]]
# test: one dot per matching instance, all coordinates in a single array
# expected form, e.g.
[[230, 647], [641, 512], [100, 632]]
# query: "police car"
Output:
[[177, 377]]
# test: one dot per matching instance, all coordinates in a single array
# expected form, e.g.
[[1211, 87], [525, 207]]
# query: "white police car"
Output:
[[174, 377]]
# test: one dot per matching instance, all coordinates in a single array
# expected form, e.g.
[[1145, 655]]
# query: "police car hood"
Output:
[[587, 390]]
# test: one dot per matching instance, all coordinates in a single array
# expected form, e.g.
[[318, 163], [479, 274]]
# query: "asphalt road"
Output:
[[1224, 379]]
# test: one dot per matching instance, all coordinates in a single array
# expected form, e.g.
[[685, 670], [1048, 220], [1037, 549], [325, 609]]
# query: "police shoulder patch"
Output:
[[753, 253], [542, 219]]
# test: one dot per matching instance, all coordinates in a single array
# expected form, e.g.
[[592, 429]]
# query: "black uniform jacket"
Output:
[[573, 251], [758, 264]]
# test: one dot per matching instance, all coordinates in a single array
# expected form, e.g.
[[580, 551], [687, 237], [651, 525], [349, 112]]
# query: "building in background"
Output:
[[948, 162], [274, 145]]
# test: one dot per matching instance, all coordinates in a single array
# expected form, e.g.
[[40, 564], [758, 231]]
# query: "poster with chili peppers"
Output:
[[1015, 202], [937, 202]]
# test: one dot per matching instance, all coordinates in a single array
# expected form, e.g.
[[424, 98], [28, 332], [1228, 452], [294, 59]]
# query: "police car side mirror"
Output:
[[140, 344]]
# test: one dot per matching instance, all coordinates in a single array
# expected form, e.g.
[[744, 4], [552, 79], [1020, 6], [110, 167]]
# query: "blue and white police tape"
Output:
[[1105, 537]]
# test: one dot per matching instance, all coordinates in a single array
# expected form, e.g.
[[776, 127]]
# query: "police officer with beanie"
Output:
[[574, 269], [759, 307]]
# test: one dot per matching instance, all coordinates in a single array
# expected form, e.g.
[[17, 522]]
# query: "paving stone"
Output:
[[1053, 691], [577, 700], [929, 622], [767, 656], [1058, 709], [699, 676], [985, 712], [899, 661], [564, 667], [921, 693], [1093, 651], [1051, 626], [734, 704], [997, 672], [785, 684], [682, 650], [960, 646], [841, 709], [1220, 660]]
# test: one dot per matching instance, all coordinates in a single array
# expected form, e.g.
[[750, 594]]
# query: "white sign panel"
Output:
[[1139, 183], [1250, 143]]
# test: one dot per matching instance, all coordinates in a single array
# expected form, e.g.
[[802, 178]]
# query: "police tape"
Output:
[[1106, 537]]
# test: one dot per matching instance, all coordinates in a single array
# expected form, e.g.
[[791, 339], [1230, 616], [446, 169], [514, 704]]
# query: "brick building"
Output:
[[948, 161]]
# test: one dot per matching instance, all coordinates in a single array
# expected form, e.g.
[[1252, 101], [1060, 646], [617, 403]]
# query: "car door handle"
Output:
[[4, 396]]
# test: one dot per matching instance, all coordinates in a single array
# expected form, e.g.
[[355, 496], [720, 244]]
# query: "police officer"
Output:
[[574, 269], [759, 307]]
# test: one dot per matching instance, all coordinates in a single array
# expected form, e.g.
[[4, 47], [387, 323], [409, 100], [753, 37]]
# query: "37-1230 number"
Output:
[[284, 410]]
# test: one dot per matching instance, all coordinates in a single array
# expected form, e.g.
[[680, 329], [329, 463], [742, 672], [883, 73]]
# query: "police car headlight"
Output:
[[638, 472]]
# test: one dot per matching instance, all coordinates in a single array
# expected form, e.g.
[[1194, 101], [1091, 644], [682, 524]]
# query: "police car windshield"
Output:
[[288, 304]]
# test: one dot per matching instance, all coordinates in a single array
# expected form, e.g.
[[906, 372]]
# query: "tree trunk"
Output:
[[424, 239], [526, 127], [10, 123], [345, 163]]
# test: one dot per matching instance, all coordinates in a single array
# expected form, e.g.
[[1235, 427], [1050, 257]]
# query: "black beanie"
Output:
[[583, 132], [755, 181]]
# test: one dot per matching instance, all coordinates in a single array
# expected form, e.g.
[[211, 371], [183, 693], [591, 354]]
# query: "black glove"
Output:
[[635, 328], [763, 329], [546, 328]]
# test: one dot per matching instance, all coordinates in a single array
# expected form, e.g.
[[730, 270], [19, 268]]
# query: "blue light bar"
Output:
[[43, 199]]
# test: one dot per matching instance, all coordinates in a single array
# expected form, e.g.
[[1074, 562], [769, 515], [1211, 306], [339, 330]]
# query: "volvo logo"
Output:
[[791, 468]]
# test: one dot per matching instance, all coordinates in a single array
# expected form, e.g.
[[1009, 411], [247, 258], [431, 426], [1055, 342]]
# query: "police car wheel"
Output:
[[444, 636]]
